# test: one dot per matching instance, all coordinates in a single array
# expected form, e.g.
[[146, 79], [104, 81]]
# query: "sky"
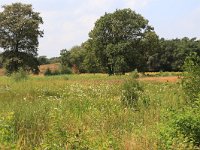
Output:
[[68, 22]]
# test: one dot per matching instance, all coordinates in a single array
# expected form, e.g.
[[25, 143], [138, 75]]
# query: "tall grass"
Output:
[[83, 112]]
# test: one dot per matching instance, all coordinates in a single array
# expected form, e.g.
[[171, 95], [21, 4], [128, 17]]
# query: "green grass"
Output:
[[82, 112]]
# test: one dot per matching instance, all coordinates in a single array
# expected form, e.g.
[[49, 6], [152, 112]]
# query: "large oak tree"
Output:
[[19, 33], [122, 40]]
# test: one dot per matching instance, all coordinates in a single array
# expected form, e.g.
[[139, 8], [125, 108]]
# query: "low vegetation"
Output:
[[93, 112]]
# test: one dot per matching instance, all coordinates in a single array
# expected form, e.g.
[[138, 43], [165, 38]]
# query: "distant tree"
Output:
[[1, 63], [19, 32], [43, 60], [54, 60], [119, 38], [65, 58], [74, 58], [90, 62], [77, 55], [172, 53]]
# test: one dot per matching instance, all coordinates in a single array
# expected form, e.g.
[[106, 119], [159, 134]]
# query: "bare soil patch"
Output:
[[161, 79]]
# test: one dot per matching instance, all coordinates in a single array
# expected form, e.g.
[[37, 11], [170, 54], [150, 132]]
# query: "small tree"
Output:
[[19, 32]]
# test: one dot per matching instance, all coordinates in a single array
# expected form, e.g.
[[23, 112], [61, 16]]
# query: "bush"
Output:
[[191, 80], [20, 75], [48, 72], [134, 74], [182, 130], [65, 70], [56, 72], [131, 91]]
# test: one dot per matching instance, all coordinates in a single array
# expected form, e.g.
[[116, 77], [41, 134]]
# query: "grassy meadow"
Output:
[[83, 112]]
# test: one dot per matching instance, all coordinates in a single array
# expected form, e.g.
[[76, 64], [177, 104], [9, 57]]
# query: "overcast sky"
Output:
[[68, 22]]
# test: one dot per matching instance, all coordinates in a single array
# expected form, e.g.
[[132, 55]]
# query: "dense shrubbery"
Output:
[[182, 128], [63, 70], [191, 80]]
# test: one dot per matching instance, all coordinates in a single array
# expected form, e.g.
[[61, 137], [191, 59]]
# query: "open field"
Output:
[[82, 112]]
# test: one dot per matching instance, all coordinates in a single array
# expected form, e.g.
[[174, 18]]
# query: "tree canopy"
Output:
[[123, 41], [19, 32], [120, 38]]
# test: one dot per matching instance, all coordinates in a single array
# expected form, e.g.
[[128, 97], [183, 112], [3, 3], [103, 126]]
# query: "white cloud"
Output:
[[136, 3]]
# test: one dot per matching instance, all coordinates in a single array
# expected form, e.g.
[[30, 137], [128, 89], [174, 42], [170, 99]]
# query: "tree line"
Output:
[[168, 55], [124, 41], [119, 42]]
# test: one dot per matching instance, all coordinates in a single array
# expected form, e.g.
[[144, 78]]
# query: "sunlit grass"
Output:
[[82, 112]]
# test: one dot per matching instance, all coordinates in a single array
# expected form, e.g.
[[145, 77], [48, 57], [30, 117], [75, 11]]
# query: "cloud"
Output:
[[191, 23], [136, 3]]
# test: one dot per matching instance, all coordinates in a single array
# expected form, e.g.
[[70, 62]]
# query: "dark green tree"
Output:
[[170, 54], [65, 58], [118, 40], [73, 58], [19, 32], [43, 60], [90, 63]]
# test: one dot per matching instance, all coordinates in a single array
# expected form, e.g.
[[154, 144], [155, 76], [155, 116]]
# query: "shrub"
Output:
[[191, 80], [20, 75], [65, 70], [48, 72], [134, 74], [182, 130], [131, 91], [56, 72]]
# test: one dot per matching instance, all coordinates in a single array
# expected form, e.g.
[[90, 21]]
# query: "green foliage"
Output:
[[74, 57], [19, 34], [20, 75], [48, 72], [42, 60], [7, 131], [90, 63], [65, 70], [13, 61], [122, 40], [54, 60], [61, 71], [131, 92], [171, 54], [86, 113], [191, 80], [134, 74], [182, 131]]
